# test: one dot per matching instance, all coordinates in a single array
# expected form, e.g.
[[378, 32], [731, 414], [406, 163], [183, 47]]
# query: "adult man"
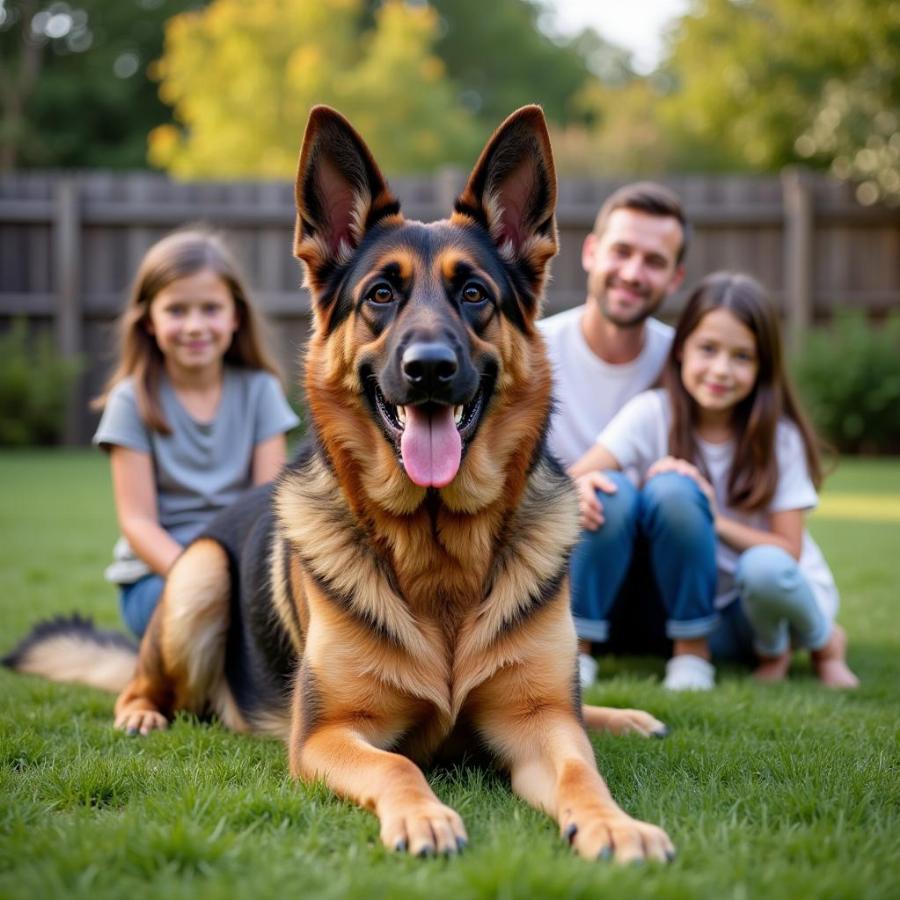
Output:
[[610, 349], [604, 353]]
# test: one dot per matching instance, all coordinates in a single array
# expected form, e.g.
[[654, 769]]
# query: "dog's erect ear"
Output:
[[512, 193], [340, 195]]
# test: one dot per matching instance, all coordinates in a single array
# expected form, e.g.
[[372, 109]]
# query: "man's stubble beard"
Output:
[[636, 319]]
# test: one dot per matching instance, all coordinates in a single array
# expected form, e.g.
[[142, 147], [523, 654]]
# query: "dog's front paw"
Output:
[[623, 721], [140, 721], [424, 828], [599, 834]]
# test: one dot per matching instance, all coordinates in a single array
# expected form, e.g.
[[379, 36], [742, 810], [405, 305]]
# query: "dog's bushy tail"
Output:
[[71, 648]]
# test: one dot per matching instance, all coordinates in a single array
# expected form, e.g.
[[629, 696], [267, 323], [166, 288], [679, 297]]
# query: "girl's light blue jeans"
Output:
[[671, 514], [776, 609], [137, 602]]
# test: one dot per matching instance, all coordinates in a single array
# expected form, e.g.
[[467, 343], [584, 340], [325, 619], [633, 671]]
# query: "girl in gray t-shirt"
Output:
[[194, 414]]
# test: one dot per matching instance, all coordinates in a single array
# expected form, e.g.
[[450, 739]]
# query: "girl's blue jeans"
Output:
[[671, 518], [137, 602]]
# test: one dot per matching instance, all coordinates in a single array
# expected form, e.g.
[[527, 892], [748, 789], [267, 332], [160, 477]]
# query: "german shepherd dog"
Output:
[[401, 593]]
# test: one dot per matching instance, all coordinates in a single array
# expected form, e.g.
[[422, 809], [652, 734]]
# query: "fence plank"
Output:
[[68, 319], [798, 254]]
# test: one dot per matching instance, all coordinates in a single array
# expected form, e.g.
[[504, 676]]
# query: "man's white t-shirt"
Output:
[[587, 391], [639, 435]]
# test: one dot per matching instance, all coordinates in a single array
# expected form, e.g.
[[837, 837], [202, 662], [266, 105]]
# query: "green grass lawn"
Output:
[[784, 791]]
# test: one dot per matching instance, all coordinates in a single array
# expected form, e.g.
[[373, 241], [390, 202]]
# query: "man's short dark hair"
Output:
[[647, 197]]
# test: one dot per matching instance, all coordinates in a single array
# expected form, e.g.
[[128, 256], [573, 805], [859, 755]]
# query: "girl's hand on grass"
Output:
[[683, 467], [590, 509]]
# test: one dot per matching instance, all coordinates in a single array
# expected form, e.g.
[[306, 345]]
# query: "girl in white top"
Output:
[[728, 419]]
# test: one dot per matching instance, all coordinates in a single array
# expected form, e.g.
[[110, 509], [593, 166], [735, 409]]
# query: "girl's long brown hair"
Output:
[[754, 471], [180, 255]]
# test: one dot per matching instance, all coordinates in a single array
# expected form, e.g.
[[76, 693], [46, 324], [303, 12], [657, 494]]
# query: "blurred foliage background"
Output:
[[222, 88]]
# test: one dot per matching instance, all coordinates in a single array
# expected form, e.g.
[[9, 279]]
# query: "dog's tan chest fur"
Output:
[[451, 596]]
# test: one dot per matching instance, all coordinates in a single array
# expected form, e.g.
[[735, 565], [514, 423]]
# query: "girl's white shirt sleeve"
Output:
[[795, 489], [639, 434]]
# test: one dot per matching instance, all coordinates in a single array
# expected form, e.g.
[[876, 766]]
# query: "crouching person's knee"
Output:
[[673, 503], [766, 574]]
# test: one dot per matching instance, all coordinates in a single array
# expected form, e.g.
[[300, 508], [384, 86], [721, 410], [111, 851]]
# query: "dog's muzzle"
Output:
[[430, 402]]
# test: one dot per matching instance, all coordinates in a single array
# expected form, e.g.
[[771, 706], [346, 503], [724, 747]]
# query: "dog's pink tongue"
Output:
[[430, 446]]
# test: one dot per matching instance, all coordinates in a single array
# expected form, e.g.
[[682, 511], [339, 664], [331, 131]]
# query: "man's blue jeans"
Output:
[[671, 516]]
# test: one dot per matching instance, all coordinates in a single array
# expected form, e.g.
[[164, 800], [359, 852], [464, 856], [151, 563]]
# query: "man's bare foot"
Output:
[[773, 668], [830, 662]]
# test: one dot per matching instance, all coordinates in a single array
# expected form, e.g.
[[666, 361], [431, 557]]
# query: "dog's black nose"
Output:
[[429, 365]]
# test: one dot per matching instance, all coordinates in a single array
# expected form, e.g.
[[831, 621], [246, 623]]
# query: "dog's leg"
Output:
[[388, 784], [552, 765], [346, 756], [146, 700], [180, 665], [623, 721]]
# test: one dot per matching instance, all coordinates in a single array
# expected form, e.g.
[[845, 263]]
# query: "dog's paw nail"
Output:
[[670, 855], [131, 731], [426, 853], [400, 846], [660, 733], [570, 832], [461, 844], [605, 854]]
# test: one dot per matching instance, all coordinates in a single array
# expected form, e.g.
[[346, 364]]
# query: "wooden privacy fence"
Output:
[[70, 243]]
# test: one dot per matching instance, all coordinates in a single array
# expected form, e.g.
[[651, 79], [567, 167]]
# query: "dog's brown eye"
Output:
[[474, 293], [381, 293]]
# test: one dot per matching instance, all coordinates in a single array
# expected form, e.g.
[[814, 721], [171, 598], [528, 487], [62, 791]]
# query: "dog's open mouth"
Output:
[[430, 437]]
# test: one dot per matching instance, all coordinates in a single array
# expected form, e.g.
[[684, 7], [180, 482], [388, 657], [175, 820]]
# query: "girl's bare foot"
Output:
[[773, 668], [830, 662]]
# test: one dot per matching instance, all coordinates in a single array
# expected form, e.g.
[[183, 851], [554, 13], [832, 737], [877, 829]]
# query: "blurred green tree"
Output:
[[73, 84], [501, 59], [623, 135], [758, 84], [75, 89], [242, 78]]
